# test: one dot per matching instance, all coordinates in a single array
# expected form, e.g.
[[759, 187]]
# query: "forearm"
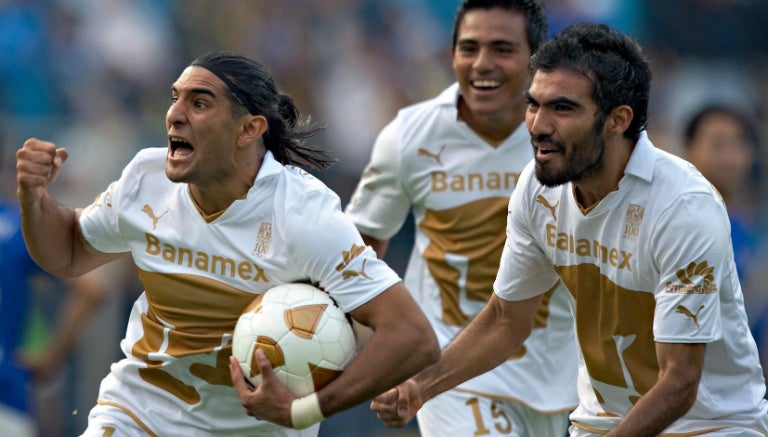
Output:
[[491, 335], [672, 395], [391, 355], [49, 231]]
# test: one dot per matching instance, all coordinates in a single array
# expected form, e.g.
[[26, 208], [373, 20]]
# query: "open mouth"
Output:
[[179, 146]]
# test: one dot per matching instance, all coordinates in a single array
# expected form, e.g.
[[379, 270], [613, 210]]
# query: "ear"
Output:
[[252, 129], [619, 119]]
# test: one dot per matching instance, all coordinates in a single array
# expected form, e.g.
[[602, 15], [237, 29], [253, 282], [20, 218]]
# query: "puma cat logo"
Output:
[[346, 274], [686, 312], [148, 210], [543, 200], [435, 156]]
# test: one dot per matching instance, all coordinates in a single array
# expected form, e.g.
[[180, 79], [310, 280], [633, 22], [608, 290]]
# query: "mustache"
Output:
[[546, 139]]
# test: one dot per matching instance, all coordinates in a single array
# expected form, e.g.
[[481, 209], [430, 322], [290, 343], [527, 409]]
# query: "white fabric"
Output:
[[459, 186], [199, 276], [652, 262]]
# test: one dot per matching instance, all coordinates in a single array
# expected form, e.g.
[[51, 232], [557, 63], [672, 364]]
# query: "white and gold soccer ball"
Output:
[[306, 337]]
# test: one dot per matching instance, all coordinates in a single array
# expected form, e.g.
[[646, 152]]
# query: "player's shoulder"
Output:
[[148, 160], [427, 117]]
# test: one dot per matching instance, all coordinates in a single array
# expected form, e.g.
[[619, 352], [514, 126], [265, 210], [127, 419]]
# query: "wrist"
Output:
[[306, 411]]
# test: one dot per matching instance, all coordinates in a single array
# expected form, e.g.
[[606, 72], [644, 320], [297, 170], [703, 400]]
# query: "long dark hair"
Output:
[[254, 89]]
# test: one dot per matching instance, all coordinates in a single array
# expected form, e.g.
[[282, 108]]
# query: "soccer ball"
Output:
[[305, 336]]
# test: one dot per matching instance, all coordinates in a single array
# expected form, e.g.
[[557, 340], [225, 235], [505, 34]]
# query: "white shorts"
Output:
[[455, 413], [109, 421]]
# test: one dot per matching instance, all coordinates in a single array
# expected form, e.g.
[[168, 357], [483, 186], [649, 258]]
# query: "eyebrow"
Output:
[[551, 102], [204, 91]]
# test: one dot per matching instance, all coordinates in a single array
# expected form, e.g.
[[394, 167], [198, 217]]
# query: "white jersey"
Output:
[[459, 186], [200, 274], [652, 262]]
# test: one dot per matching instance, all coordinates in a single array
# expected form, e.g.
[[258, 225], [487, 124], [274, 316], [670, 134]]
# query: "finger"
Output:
[[385, 400], [265, 366], [238, 380], [403, 400], [59, 157]]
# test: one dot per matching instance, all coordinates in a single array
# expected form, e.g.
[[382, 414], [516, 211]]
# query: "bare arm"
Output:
[[378, 246], [672, 395], [51, 230], [494, 334], [402, 344]]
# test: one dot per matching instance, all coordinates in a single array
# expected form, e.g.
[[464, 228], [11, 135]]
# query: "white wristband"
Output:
[[306, 412]]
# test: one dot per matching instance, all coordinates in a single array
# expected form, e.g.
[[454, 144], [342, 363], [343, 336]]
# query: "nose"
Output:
[[176, 114], [536, 122], [484, 59]]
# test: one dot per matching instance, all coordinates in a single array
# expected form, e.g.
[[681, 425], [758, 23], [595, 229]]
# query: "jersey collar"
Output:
[[642, 160]]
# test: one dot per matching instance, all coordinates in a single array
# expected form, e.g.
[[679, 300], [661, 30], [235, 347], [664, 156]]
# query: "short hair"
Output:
[[253, 88], [614, 63], [697, 118], [536, 25]]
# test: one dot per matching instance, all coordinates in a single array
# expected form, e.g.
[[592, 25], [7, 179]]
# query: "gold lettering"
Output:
[[153, 244], [613, 256], [438, 181], [550, 235], [201, 262], [493, 182], [169, 253], [244, 270], [184, 252], [259, 276], [475, 178], [582, 247], [226, 264], [457, 183]]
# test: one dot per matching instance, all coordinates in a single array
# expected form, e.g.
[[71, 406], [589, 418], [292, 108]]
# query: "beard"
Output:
[[583, 159]]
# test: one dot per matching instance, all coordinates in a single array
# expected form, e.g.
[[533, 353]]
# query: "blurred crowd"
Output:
[[94, 76]]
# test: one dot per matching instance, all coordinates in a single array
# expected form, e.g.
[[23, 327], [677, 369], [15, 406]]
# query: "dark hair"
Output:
[[696, 120], [613, 62], [254, 89], [536, 26]]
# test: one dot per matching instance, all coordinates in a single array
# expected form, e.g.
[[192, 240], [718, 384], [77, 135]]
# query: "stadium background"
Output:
[[94, 76]]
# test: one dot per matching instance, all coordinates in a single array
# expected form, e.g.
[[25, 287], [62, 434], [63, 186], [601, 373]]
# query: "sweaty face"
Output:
[[201, 129], [491, 61], [566, 135]]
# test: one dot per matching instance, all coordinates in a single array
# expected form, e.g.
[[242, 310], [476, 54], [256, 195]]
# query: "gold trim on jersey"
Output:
[[666, 434], [615, 332], [187, 315], [130, 414], [465, 245]]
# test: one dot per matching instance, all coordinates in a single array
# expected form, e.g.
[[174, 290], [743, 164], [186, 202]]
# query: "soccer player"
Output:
[[455, 159], [641, 241], [218, 216]]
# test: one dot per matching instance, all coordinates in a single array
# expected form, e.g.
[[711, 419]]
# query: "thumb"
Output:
[[265, 366], [58, 160]]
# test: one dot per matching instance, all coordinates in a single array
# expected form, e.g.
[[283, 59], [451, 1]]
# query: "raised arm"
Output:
[[494, 334], [51, 230]]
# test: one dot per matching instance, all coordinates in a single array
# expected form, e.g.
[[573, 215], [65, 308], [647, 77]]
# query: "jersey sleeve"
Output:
[[380, 204], [326, 245], [524, 271], [99, 221], [692, 251]]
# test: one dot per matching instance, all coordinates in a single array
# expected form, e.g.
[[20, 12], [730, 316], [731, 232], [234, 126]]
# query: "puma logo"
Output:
[[543, 200], [148, 210], [686, 312], [346, 274], [435, 156]]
